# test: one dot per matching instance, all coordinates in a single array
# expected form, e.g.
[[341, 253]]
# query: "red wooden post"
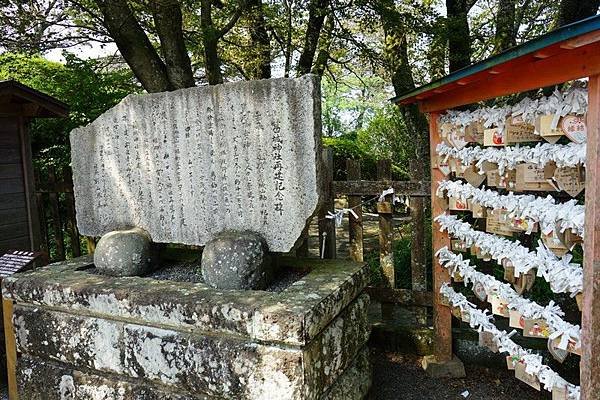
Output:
[[590, 320], [442, 318]]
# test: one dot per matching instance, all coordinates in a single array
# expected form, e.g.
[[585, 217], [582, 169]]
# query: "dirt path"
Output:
[[400, 377]]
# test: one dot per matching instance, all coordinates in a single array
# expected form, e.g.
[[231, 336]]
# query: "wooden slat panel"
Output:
[[13, 216], [8, 186], [372, 188], [20, 243], [10, 155], [11, 171], [10, 201], [9, 137], [8, 232]]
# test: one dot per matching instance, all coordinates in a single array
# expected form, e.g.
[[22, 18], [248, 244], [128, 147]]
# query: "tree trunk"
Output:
[[210, 42], [457, 29], [396, 56], [317, 9], [134, 45], [323, 54], [168, 22], [505, 37], [436, 54], [261, 42], [575, 10]]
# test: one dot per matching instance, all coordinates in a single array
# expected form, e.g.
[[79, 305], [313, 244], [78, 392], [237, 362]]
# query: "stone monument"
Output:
[[234, 168], [187, 165]]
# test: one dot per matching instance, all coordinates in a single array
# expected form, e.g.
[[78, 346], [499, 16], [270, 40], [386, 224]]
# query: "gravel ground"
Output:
[[191, 272], [400, 377]]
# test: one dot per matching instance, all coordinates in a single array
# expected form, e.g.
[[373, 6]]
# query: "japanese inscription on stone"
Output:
[[187, 164]]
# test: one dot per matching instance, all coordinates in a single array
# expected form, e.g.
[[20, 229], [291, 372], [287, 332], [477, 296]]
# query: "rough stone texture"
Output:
[[124, 253], [293, 316], [236, 260], [187, 164], [50, 380], [448, 369], [355, 383], [126, 334]]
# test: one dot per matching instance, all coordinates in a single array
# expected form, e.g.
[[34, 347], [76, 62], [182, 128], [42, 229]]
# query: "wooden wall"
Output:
[[14, 224]]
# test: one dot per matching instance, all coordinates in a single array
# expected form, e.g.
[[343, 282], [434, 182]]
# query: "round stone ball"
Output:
[[236, 260], [124, 253]]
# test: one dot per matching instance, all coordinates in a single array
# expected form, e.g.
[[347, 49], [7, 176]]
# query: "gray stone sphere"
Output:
[[236, 260], [124, 253]]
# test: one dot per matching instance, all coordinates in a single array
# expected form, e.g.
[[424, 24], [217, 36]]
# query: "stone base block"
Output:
[[448, 369], [70, 384], [132, 338]]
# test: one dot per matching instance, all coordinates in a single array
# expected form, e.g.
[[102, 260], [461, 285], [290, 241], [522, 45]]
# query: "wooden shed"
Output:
[[19, 222]]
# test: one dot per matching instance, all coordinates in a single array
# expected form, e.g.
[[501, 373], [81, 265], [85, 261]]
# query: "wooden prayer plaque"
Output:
[[529, 379], [554, 244], [474, 132], [494, 225], [472, 175], [520, 133], [570, 179], [559, 393], [458, 245], [574, 127], [477, 210], [486, 339], [493, 137], [499, 306], [532, 177], [511, 362], [537, 328], [559, 355], [543, 126], [479, 291], [442, 165], [516, 319], [457, 204]]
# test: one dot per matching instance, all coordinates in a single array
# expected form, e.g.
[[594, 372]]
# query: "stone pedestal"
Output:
[[87, 336]]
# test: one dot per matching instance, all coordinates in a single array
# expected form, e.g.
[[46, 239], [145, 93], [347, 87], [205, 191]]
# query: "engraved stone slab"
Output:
[[187, 164]]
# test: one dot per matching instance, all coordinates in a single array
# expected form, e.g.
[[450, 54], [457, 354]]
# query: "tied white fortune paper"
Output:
[[387, 192], [564, 155], [571, 101], [338, 215], [481, 321], [551, 216], [562, 275], [552, 313]]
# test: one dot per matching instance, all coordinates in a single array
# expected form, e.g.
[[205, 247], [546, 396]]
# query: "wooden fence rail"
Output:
[[356, 190], [56, 209]]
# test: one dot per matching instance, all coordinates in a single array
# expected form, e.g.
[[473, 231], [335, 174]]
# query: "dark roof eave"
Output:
[[53, 106]]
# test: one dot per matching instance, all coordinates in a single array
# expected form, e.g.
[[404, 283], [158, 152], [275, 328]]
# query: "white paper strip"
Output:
[[481, 320], [562, 275], [552, 313], [551, 216], [564, 155]]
